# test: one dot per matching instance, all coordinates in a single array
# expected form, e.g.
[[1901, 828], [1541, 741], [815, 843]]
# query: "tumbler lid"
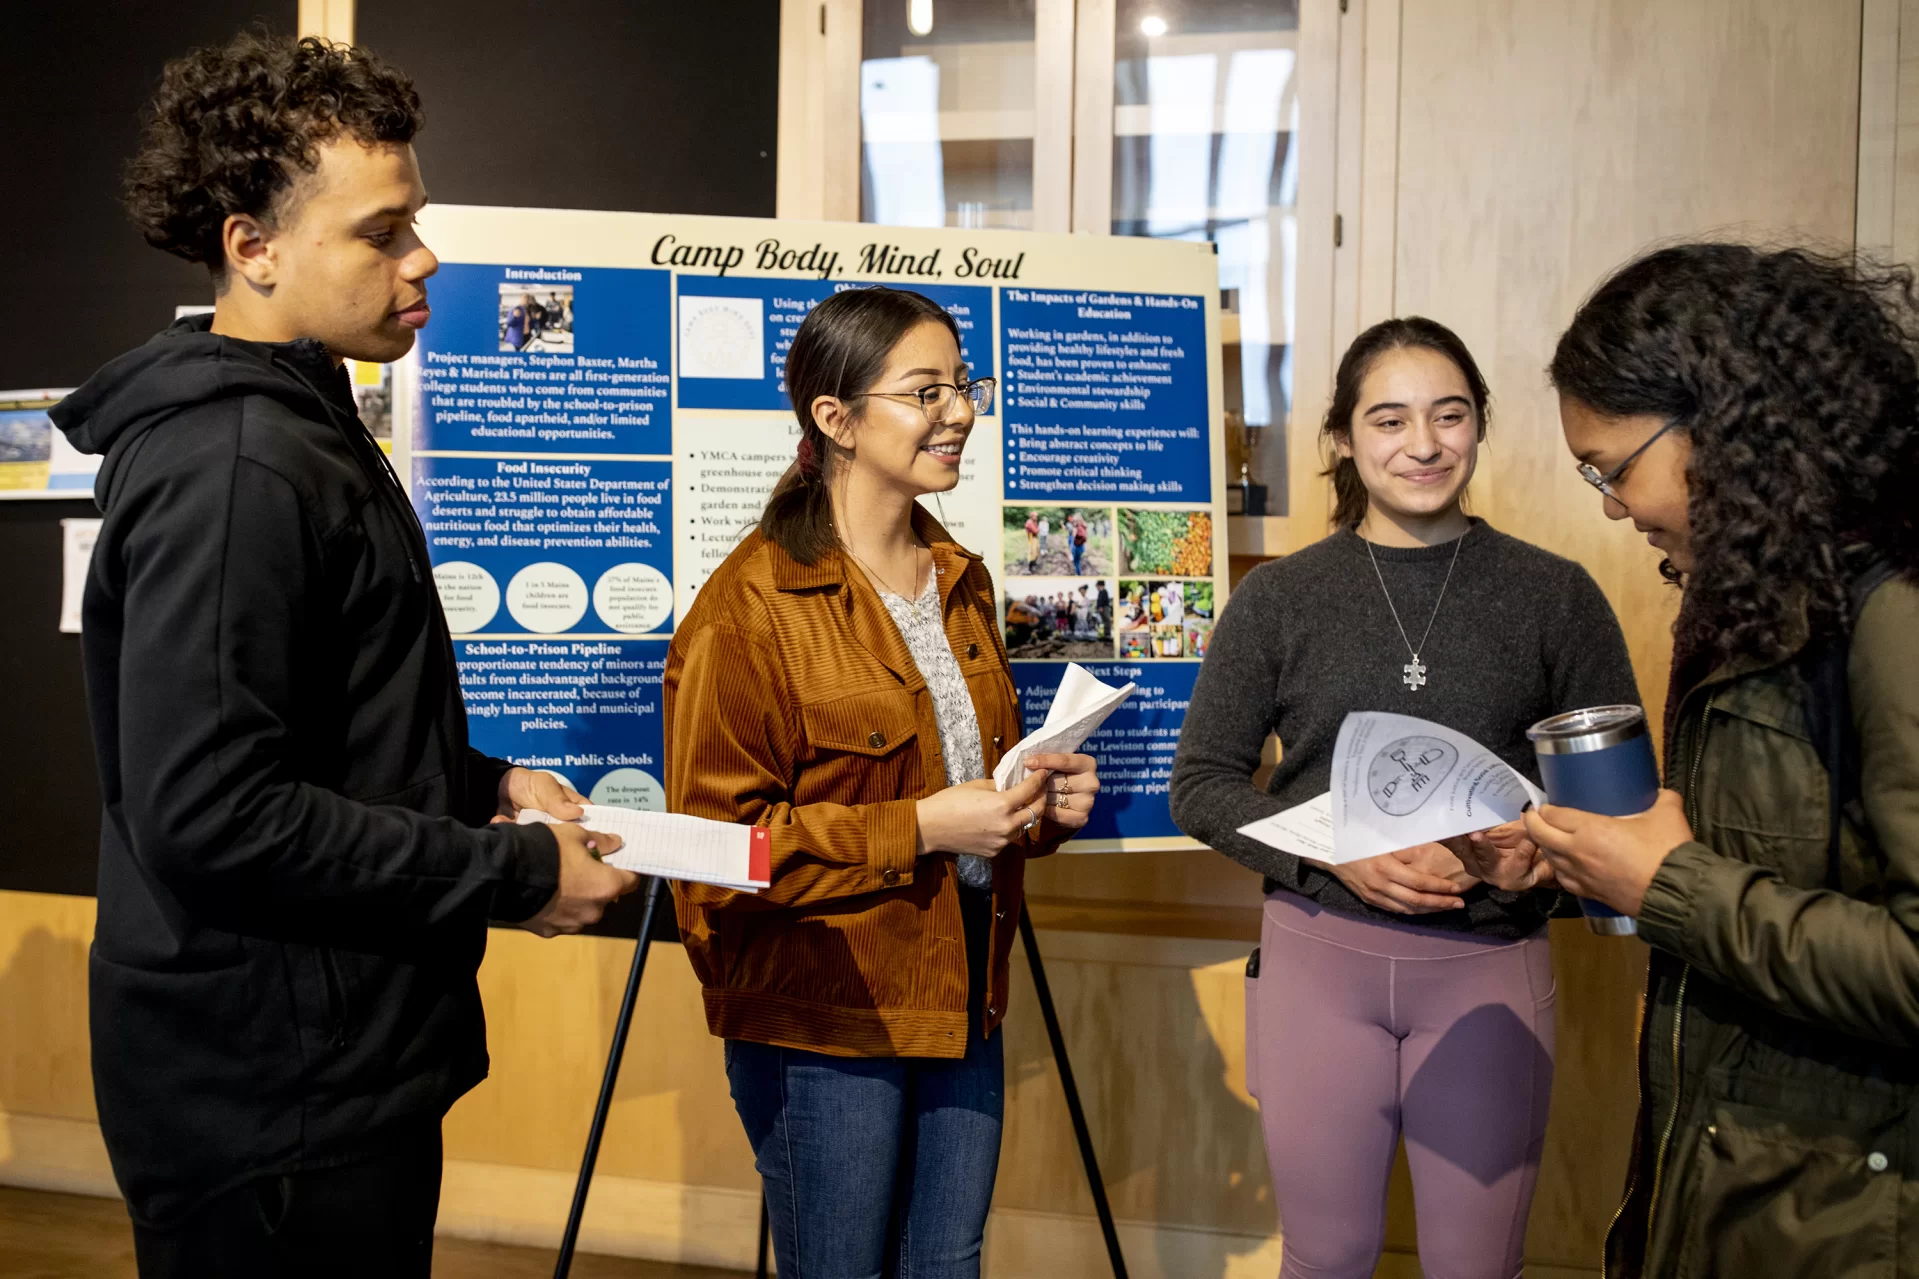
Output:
[[1592, 729]]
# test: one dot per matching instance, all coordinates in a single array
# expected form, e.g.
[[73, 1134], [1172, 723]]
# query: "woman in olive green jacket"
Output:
[[1757, 416]]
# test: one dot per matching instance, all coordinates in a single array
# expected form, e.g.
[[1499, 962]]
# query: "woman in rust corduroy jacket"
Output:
[[841, 680]]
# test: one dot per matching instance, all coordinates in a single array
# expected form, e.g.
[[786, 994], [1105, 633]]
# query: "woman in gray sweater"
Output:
[[1399, 993]]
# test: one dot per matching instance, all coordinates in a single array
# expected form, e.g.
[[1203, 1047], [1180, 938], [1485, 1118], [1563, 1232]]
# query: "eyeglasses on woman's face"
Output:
[[939, 398], [1604, 483]]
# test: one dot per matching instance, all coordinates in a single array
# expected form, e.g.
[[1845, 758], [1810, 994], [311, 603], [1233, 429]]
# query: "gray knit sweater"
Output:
[[1520, 634]]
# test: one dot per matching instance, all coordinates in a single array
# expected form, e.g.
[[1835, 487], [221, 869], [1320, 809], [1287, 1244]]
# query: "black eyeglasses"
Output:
[[1604, 483], [939, 398]]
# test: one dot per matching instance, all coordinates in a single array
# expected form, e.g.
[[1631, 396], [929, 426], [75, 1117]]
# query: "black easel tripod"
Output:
[[1048, 1013], [654, 889]]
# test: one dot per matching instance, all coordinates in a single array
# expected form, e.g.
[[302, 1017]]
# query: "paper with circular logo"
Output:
[[1398, 781]]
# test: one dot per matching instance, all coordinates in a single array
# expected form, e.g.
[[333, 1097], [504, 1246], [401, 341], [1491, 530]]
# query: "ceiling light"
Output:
[[1152, 27], [919, 17]]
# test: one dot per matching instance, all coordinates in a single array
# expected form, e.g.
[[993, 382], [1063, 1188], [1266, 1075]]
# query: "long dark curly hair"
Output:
[[232, 126], [1793, 374]]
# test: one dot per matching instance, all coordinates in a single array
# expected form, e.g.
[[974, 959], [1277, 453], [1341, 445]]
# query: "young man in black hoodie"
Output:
[[298, 858]]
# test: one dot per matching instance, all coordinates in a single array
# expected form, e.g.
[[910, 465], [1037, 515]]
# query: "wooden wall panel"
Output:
[[1905, 210], [1541, 145], [45, 1067]]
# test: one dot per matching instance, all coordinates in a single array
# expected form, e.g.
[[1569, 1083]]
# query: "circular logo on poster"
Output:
[[468, 596], [633, 598], [546, 598], [1405, 773], [719, 339], [630, 788]]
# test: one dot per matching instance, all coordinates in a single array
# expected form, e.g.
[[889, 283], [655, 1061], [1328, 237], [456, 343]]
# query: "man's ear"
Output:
[[250, 253]]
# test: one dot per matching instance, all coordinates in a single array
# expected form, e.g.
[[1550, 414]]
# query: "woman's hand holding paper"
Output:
[[1071, 793], [1421, 880], [1505, 857], [975, 818]]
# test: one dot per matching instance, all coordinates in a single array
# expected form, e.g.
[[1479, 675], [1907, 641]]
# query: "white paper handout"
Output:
[[77, 538], [1079, 707], [1304, 830], [1398, 781], [676, 846]]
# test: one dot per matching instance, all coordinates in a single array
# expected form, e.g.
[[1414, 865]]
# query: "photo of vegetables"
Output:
[[1166, 543]]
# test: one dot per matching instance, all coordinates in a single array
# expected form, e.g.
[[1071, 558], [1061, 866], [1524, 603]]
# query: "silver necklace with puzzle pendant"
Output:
[[1415, 676]]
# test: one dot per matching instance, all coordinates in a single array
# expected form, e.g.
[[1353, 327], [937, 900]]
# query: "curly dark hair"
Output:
[[1349, 491], [232, 127], [1793, 375]]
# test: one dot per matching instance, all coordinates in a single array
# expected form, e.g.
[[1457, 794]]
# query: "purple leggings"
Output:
[[1358, 1031]]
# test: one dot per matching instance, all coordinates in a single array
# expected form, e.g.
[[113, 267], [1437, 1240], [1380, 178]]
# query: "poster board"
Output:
[[595, 415], [35, 459]]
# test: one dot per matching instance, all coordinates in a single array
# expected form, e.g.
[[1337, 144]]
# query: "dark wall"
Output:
[[50, 840], [86, 287], [597, 104], [75, 77], [591, 104]]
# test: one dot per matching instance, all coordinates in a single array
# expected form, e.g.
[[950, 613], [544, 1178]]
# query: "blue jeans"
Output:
[[874, 1166]]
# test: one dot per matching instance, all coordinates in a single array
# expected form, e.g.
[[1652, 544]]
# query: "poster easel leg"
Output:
[[766, 1233], [654, 888], [1093, 1180]]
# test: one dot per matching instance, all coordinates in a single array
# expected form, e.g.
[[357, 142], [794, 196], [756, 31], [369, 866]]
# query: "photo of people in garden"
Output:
[[1057, 541], [1059, 617]]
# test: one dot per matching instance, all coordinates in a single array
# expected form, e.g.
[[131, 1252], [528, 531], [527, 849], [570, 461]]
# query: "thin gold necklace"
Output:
[[912, 601]]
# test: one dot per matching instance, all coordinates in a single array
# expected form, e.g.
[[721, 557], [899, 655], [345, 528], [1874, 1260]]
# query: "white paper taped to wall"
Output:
[[1398, 781], [77, 538]]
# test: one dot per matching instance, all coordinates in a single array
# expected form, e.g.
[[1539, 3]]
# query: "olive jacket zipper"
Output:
[[1678, 1023]]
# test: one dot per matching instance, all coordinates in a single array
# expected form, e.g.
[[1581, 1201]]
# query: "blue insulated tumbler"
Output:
[[1599, 760]]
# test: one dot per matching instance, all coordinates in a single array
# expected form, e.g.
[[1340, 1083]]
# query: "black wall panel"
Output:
[[652, 106], [82, 286], [81, 283]]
